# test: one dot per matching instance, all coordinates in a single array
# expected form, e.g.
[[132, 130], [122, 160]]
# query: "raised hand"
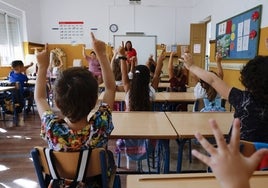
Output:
[[43, 58], [230, 167]]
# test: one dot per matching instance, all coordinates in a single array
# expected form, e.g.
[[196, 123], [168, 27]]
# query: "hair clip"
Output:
[[137, 71]]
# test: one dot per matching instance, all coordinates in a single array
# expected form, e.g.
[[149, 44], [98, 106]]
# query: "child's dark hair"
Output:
[[16, 63], [210, 91], [76, 93], [254, 76], [117, 69], [92, 52], [178, 70], [139, 99]]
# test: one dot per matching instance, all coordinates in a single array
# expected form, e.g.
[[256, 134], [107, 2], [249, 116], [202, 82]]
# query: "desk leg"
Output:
[[164, 156], [180, 143]]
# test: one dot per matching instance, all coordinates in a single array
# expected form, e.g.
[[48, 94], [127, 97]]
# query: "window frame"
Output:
[[12, 47]]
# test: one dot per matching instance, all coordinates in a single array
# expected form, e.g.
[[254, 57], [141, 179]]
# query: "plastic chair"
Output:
[[68, 163], [136, 150], [248, 148]]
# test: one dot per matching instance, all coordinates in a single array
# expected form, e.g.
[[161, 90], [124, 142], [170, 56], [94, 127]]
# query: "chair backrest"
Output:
[[66, 164]]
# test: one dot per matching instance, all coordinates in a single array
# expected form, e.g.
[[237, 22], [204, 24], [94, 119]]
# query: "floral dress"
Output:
[[61, 138], [95, 134]]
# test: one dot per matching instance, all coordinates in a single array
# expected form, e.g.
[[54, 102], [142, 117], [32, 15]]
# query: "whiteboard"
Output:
[[145, 45]]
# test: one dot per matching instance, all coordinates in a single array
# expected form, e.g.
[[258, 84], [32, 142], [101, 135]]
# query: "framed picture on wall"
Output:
[[238, 37]]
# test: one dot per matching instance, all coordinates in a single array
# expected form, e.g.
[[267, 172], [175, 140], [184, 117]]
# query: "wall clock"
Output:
[[113, 28]]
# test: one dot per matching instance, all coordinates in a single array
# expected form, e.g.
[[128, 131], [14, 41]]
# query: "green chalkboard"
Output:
[[238, 36]]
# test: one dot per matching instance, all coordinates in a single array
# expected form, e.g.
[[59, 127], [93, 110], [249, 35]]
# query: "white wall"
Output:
[[220, 10], [168, 19]]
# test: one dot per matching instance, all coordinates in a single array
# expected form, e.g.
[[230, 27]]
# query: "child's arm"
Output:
[[218, 61], [107, 73], [170, 66], [27, 66], [159, 65], [221, 87], [125, 79], [115, 52], [40, 94]]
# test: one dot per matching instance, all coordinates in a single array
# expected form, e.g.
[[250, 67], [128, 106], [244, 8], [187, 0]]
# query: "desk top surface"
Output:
[[160, 85], [154, 125], [6, 88], [178, 96], [159, 96], [200, 180], [188, 123]]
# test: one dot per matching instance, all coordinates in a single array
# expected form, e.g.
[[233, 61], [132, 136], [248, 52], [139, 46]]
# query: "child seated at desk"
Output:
[[211, 99], [178, 81], [17, 76]]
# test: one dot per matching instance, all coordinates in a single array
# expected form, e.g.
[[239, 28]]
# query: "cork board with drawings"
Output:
[[238, 37]]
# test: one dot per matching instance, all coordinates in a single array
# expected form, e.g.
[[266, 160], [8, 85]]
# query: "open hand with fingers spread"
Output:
[[231, 168], [187, 60]]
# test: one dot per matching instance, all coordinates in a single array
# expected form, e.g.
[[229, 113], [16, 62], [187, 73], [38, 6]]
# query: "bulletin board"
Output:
[[145, 45], [238, 36]]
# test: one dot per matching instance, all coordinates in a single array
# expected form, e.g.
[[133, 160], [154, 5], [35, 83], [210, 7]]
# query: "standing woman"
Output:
[[93, 64]]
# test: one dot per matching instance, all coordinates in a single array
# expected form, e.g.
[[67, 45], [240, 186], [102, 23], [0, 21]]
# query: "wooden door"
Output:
[[197, 48]]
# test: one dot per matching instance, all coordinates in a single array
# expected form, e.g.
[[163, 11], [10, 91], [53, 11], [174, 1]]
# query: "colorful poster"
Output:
[[238, 37]]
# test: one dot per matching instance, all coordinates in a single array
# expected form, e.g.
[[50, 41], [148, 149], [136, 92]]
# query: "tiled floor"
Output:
[[16, 168]]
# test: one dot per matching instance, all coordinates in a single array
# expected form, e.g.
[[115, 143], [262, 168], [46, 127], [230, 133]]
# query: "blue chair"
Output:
[[248, 148]]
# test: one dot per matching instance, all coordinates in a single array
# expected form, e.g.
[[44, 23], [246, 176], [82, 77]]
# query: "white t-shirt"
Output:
[[199, 91]]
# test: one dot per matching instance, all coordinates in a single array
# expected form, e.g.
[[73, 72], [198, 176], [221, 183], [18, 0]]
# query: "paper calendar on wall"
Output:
[[71, 30]]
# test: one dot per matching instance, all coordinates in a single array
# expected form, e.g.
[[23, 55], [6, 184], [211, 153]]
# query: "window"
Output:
[[10, 40]]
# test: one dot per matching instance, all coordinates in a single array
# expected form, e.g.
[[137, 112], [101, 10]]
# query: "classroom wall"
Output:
[[220, 10], [168, 19]]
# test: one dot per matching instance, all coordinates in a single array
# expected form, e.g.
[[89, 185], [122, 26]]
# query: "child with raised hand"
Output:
[[140, 91], [231, 168], [177, 76], [251, 104], [76, 94], [212, 100]]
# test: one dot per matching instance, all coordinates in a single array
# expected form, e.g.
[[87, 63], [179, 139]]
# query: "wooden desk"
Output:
[[163, 86], [193, 180], [178, 96], [6, 88], [187, 124], [145, 125], [159, 96], [168, 101], [139, 125], [119, 96], [31, 82]]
